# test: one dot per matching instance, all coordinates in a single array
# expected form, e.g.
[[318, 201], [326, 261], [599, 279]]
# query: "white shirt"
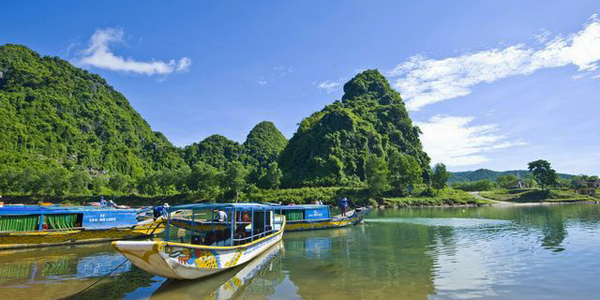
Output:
[[222, 216]]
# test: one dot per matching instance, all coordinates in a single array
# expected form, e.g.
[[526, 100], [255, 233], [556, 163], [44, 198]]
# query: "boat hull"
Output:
[[32, 239], [186, 261], [337, 222]]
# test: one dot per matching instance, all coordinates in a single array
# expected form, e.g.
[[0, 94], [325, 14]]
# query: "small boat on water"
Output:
[[313, 216], [26, 226], [238, 232]]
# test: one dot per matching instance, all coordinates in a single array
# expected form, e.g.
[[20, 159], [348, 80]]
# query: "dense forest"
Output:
[[65, 131]]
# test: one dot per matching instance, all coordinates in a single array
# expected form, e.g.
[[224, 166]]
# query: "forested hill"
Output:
[[485, 174], [262, 146], [65, 131], [56, 116], [332, 146]]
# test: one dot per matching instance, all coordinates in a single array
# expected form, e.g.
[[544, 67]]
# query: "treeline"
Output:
[[540, 175], [202, 179], [234, 182]]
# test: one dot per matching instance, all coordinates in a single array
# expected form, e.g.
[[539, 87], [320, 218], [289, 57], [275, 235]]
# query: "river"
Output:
[[503, 252]]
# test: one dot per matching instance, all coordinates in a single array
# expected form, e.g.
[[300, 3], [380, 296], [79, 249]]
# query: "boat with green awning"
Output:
[[24, 226]]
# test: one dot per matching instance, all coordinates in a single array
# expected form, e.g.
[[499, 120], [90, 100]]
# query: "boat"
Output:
[[26, 226], [314, 216], [248, 230]]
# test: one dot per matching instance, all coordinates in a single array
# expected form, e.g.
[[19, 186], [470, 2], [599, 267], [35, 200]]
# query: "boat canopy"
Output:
[[304, 206], [305, 212], [226, 206], [20, 210], [33, 217]]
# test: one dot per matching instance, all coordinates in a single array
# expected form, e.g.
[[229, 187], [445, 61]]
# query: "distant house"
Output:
[[588, 186]]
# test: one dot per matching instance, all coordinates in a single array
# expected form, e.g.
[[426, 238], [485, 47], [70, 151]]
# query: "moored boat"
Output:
[[26, 226], [241, 232], [313, 216]]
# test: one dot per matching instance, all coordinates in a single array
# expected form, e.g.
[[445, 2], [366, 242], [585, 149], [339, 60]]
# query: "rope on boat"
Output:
[[91, 285]]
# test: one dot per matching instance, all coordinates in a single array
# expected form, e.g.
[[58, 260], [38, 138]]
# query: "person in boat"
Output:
[[102, 201], [111, 203], [161, 211], [246, 217], [221, 216], [344, 205]]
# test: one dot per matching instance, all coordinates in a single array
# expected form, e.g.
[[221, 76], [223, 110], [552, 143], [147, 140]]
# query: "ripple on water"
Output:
[[449, 222]]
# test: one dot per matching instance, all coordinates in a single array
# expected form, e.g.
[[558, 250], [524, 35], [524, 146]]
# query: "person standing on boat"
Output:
[[160, 211], [344, 205], [102, 201]]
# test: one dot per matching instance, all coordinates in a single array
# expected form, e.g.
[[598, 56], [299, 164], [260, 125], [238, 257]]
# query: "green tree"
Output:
[[55, 182], [404, 170], [29, 181], [271, 179], [543, 173], [377, 174], [80, 180], [204, 179], [440, 176], [120, 183], [98, 184], [235, 178], [507, 181], [529, 181], [8, 181]]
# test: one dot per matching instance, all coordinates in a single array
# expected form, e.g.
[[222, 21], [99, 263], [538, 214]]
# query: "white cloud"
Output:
[[453, 141], [330, 86], [99, 55], [543, 36], [423, 81]]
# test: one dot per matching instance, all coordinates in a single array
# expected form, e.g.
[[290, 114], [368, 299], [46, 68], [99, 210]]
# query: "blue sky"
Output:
[[493, 84]]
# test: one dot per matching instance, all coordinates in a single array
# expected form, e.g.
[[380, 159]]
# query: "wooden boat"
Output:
[[312, 217], [251, 229], [26, 226]]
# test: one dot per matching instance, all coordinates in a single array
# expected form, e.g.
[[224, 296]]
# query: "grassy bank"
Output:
[[446, 196], [536, 195]]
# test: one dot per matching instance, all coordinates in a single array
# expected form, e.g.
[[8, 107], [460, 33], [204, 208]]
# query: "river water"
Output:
[[504, 252]]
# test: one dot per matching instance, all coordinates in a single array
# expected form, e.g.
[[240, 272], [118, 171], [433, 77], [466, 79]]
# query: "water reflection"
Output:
[[258, 277], [57, 271], [43, 265], [542, 252], [383, 261]]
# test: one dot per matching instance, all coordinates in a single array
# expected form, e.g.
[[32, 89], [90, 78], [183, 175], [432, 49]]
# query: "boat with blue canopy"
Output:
[[208, 238], [314, 216], [24, 226]]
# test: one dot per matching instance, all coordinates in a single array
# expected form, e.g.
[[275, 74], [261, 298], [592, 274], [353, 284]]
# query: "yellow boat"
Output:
[[313, 217], [252, 228], [39, 226]]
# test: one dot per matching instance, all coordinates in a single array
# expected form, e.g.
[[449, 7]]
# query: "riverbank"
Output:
[[328, 195], [536, 196]]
